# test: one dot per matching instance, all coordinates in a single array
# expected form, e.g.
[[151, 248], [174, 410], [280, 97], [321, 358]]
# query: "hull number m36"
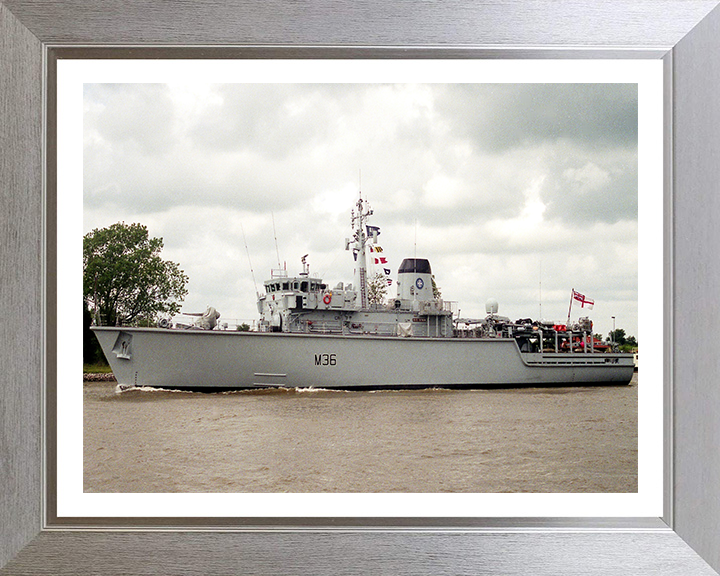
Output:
[[325, 359]]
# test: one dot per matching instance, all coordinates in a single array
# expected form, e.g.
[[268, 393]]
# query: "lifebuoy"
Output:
[[327, 298]]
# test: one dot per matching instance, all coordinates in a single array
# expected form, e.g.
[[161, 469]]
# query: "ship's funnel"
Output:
[[415, 280]]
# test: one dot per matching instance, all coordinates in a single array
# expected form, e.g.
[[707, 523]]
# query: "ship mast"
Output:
[[360, 236]]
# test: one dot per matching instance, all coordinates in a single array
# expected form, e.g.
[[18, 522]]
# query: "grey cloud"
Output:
[[588, 188], [138, 115], [501, 116], [460, 160], [273, 119]]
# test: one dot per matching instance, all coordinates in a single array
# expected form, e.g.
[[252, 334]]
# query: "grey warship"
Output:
[[310, 335]]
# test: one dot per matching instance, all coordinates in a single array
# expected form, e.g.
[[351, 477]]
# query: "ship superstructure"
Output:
[[304, 304]]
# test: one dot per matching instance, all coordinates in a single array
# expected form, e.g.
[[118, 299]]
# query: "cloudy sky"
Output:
[[518, 192]]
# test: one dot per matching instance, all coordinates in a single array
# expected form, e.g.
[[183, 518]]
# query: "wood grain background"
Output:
[[21, 203]]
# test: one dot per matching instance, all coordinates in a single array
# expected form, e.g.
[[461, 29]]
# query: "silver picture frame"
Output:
[[684, 34]]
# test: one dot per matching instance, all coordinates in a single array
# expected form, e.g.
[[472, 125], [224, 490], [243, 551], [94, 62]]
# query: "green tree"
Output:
[[124, 278], [436, 291], [91, 347], [618, 336], [377, 289]]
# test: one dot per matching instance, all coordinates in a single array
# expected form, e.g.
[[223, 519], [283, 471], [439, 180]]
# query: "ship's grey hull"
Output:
[[194, 359]]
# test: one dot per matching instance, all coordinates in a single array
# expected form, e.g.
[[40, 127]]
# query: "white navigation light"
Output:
[[491, 306]]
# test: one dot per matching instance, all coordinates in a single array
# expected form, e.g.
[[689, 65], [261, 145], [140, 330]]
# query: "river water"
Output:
[[524, 440]]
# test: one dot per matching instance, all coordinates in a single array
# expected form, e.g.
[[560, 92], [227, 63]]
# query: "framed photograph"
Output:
[[457, 196], [435, 186], [668, 520]]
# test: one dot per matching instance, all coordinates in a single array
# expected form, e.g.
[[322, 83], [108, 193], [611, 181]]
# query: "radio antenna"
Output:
[[540, 289], [277, 252], [252, 272], [415, 255]]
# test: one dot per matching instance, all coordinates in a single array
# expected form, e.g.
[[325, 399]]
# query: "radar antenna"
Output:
[[306, 268]]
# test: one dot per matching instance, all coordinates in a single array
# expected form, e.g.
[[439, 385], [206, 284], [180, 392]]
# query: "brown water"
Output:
[[529, 440]]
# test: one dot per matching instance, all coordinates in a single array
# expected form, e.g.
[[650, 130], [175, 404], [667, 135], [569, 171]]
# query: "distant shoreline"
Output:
[[98, 377]]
